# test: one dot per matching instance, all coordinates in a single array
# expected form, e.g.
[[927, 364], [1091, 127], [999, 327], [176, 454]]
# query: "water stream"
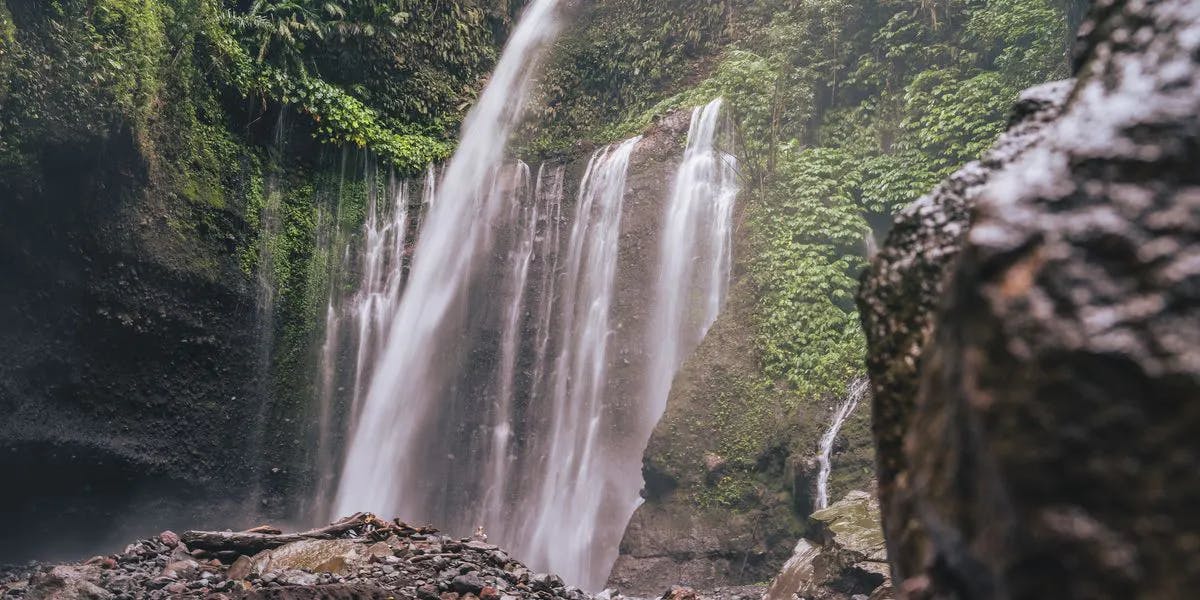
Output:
[[855, 392], [695, 253]]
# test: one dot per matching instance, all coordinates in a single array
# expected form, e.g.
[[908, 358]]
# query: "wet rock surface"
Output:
[[844, 559], [1036, 375], [371, 559]]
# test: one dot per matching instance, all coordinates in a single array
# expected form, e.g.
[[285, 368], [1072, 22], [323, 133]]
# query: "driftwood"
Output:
[[253, 542]]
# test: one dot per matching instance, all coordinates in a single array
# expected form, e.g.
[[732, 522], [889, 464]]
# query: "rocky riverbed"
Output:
[[360, 557]]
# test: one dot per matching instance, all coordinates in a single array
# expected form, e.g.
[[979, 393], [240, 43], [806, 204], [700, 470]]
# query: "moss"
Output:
[[134, 33]]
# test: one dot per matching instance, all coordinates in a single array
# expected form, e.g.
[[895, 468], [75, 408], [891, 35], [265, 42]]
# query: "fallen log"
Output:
[[249, 542]]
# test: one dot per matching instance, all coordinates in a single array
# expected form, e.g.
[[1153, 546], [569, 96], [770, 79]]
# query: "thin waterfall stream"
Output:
[[855, 392], [695, 253]]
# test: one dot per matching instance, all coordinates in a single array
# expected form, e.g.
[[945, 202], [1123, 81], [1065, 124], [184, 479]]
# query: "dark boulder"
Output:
[[904, 288], [1036, 377]]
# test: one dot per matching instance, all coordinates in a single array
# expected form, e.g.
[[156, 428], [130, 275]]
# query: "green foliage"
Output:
[[619, 56], [343, 119], [847, 113], [807, 248], [393, 76]]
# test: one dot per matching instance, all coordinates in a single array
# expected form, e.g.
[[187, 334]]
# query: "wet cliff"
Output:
[[1033, 329], [162, 200], [129, 387]]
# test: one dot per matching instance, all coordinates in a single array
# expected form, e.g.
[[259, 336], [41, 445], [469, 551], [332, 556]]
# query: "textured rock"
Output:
[[128, 346], [1036, 379], [373, 559], [848, 559], [669, 540], [905, 284], [322, 556], [852, 524], [67, 583], [321, 592]]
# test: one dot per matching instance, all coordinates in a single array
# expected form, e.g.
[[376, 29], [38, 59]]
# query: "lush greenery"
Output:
[[845, 112], [226, 134]]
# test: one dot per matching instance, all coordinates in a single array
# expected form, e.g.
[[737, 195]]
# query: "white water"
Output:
[[504, 415], [568, 519], [522, 218], [356, 324], [481, 392], [455, 236], [695, 254], [854, 393]]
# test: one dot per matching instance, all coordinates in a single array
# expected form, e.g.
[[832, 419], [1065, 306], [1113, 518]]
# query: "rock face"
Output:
[[706, 522], [129, 354], [848, 561], [1036, 376]]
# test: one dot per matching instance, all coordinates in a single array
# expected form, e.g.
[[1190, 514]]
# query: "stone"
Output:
[[297, 577], [179, 568], [846, 555], [241, 568], [169, 538], [67, 583], [1034, 345], [904, 286], [489, 593], [325, 556], [428, 592], [467, 584], [853, 524], [321, 592], [545, 582], [678, 592]]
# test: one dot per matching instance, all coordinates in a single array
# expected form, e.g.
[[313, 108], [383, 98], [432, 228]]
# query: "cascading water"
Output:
[[482, 370], [398, 455], [854, 394], [356, 323], [570, 516], [695, 254], [503, 414]]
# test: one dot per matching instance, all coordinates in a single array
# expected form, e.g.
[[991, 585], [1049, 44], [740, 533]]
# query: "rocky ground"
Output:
[[844, 557], [360, 557]]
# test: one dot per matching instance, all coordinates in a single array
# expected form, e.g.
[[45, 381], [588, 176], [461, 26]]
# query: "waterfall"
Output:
[[522, 220], [355, 322], [569, 519], [399, 459], [854, 393], [481, 367], [695, 254]]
